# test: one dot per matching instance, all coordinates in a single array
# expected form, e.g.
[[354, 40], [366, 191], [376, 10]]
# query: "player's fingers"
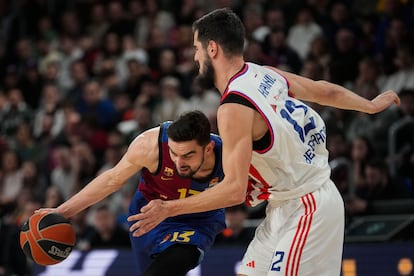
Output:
[[135, 217], [44, 210], [143, 230], [134, 226]]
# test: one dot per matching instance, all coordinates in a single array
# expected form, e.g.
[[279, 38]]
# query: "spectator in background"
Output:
[[70, 23], [69, 53], [155, 17], [337, 144], [11, 178], [303, 32], [254, 52], [343, 66], [312, 69], [98, 24], [236, 233], [84, 164], [63, 175], [274, 19], [53, 197], [361, 152], [319, 50], [279, 53], [12, 259], [141, 120], [46, 30], [207, 100], [84, 231], [403, 78], [369, 80], [94, 105], [378, 186], [118, 23], [138, 71], [404, 135], [338, 18], [79, 77], [397, 34], [14, 113], [172, 103], [149, 94], [35, 180], [70, 131], [109, 234], [49, 118], [167, 65], [31, 83], [111, 50], [24, 53], [24, 144], [253, 20]]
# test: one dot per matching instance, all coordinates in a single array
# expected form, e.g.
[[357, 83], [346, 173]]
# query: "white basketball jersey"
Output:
[[296, 162]]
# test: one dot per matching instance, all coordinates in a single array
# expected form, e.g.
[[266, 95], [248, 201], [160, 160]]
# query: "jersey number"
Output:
[[290, 108], [279, 258], [182, 236], [187, 192]]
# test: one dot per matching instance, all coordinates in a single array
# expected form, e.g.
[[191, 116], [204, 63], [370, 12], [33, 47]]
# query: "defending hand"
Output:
[[384, 100], [151, 215]]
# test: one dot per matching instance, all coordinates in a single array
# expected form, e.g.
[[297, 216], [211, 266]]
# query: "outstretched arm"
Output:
[[235, 123], [329, 94], [139, 154]]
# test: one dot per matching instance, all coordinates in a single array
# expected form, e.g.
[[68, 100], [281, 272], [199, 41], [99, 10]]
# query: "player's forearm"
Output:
[[340, 97], [225, 194], [95, 191]]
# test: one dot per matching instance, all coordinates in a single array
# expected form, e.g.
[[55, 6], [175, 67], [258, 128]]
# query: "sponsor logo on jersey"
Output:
[[168, 171], [168, 174]]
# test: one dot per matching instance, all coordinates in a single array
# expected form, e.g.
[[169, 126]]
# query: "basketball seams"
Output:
[[70, 234], [57, 242], [51, 244], [34, 245]]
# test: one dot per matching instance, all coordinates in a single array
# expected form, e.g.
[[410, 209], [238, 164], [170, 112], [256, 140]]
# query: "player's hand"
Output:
[[151, 215], [384, 100], [45, 210]]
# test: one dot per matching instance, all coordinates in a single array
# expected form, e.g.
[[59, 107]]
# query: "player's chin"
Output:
[[185, 173]]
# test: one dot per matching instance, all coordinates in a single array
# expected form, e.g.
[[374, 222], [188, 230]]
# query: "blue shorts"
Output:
[[197, 229]]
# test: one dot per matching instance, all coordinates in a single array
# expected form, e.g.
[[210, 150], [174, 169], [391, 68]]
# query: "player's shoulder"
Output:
[[147, 139], [217, 139]]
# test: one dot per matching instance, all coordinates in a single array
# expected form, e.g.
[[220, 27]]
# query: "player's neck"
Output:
[[225, 69], [207, 167]]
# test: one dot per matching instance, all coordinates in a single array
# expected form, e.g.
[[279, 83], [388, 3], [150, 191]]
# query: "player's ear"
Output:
[[210, 146], [212, 48]]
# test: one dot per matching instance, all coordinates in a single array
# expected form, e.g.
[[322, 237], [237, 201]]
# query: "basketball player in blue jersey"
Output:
[[274, 150], [177, 159]]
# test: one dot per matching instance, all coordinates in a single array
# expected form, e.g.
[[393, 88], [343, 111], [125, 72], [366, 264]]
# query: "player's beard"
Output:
[[206, 78], [191, 172]]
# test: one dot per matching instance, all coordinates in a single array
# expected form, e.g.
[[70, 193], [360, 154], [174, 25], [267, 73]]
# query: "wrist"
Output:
[[173, 207]]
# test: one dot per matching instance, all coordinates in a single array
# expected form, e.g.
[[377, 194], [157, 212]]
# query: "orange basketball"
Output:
[[47, 238]]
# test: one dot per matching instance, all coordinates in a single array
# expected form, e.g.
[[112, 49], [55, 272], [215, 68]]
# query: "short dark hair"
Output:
[[224, 27], [193, 125]]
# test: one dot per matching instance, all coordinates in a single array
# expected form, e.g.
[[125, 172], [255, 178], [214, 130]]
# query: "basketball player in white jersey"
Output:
[[274, 149]]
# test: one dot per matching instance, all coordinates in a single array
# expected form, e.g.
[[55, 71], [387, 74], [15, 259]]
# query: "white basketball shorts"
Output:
[[302, 237]]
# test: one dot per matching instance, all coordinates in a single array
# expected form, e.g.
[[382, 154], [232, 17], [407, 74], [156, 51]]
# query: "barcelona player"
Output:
[[176, 160]]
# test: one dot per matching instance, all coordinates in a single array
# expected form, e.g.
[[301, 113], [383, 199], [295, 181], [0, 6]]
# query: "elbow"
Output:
[[113, 180], [325, 93], [237, 195]]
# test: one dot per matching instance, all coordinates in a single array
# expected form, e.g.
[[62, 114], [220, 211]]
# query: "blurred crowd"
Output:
[[80, 79]]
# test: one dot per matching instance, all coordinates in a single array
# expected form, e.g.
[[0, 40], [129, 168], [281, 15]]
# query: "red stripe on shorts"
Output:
[[302, 232]]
